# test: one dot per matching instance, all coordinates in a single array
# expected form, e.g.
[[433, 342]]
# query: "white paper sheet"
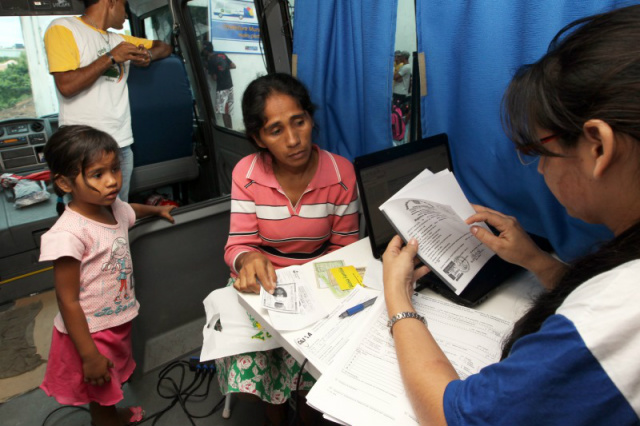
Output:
[[373, 276], [238, 334], [322, 341]]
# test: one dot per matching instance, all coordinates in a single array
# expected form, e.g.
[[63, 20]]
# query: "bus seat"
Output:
[[162, 123]]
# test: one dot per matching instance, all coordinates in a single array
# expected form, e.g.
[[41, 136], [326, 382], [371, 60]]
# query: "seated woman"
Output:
[[572, 359], [291, 202]]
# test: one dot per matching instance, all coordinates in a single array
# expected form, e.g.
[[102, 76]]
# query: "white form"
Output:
[[321, 342], [365, 387]]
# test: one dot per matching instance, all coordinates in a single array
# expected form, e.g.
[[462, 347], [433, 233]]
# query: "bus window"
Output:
[[158, 25], [231, 28], [403, 80], [26, 87]]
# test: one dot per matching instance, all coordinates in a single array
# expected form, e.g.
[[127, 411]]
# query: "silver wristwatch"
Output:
[[403, 315]]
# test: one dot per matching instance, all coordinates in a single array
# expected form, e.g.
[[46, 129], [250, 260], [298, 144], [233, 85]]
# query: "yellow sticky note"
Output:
[[347, 277]]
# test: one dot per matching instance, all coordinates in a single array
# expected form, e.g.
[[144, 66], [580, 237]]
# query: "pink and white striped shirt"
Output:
[[264, 220]]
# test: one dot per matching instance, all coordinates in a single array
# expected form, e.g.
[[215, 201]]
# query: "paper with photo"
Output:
[[432, 209], [240, 332], [309, 310], [284, 298]]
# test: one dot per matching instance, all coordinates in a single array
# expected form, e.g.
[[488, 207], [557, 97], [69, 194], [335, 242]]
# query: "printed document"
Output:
[[321, 342], [432, 209], [364, 386]]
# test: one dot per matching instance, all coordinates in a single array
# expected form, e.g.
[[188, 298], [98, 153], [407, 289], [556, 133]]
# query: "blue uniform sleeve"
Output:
[[551, 378]]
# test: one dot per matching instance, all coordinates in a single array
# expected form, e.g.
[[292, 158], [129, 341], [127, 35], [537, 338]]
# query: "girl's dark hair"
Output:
[[71, 150], [592, 73], [256, 95]]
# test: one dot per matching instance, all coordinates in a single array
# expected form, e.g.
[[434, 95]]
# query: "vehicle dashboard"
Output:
[[22, 141]]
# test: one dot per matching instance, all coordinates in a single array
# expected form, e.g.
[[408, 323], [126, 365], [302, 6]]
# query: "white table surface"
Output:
[[509, 301]]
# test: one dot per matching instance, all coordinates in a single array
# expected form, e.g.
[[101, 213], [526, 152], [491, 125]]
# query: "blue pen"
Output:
[[357, 308]]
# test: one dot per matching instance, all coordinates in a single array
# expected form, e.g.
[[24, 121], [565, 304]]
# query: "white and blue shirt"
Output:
[[581, 368]]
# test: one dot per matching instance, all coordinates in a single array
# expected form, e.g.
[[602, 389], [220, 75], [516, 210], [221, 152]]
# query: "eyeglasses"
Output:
[[527, 159]]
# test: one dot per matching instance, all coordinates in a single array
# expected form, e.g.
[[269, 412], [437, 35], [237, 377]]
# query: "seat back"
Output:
[[162, 123]]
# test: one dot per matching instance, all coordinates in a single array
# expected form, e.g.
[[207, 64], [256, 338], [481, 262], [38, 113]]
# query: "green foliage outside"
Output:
[[15, 84]]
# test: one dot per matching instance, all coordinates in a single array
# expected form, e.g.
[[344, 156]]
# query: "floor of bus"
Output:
[[32, 408]]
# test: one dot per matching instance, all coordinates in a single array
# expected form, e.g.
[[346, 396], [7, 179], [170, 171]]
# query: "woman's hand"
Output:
[[515, 246], [512, 244], [399, 274], [254, 269], [96, 369]]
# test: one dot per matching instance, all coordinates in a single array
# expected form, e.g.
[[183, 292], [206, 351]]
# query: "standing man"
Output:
[[90, 66], [401, 78], [219, 66]]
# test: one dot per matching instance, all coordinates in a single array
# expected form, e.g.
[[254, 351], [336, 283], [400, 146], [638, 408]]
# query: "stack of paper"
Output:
[[364, 386]]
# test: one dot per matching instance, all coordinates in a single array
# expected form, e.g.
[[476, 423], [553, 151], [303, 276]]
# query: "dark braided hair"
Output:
[[591, 73]]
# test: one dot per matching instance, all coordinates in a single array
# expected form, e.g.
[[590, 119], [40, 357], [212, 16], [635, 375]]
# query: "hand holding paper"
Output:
[[430, 209]]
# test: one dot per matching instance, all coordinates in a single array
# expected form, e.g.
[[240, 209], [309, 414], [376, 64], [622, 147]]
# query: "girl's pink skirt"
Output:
[[64, 379]]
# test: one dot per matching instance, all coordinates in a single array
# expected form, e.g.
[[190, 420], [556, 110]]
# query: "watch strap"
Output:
[[403, 315]]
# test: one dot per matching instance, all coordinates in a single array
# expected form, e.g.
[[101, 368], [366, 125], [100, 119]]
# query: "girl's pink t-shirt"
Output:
[[107, 294]]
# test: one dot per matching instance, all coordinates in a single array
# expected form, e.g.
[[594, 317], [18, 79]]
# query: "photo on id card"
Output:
[[284, 298]]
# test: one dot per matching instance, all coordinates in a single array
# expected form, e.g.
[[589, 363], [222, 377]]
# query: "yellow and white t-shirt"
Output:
[[72, 44]]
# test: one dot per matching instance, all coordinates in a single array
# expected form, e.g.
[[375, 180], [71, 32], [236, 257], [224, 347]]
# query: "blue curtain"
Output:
[[345, 58], [472, 49]]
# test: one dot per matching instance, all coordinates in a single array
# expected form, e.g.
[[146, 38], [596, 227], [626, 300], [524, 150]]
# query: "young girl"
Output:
[[90, 355]]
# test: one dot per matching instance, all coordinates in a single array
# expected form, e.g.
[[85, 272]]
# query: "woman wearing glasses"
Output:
[[572, 359]]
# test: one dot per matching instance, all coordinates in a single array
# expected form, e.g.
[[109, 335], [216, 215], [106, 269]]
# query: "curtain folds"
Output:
[[472, 50], [345, 58]]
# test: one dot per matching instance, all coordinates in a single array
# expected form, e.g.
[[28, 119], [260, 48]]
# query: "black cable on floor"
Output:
[[297, 397], [62, 408], [178, 393]]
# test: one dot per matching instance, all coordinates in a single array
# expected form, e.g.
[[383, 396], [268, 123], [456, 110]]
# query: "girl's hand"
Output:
[[165, 212], [144, 210], [96, 369], [513, 244], [255, 269], [399, 274]]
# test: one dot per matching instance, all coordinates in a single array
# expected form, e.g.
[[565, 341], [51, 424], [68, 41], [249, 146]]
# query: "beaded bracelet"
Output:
[[403, 315]]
